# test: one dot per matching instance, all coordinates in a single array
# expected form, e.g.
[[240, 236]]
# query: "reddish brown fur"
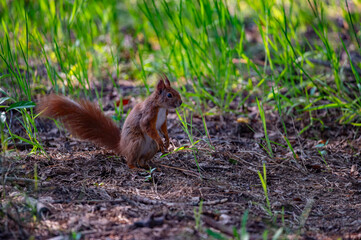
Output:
[[83, 119], [139, 140]]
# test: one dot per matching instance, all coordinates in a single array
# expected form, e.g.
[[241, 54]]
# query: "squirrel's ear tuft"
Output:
[[167, 82], [160, 85]]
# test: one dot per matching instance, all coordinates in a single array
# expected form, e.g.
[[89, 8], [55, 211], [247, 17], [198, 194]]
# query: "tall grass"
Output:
[[218, 51], [194, 39], [59, 45]]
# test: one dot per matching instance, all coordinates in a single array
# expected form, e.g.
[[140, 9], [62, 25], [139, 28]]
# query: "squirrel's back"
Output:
[[83, 119]]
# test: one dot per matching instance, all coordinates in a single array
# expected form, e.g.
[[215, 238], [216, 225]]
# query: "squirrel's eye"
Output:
[[169, 95]]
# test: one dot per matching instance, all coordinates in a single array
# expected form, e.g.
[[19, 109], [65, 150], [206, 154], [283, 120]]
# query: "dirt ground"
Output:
[[86, 192]]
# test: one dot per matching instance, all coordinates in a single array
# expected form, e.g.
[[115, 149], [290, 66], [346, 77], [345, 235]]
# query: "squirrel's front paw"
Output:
[[166, 145], [161, 147]]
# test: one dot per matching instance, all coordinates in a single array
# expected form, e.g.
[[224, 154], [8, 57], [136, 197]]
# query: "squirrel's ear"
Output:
[[167, 82], [160, 85]]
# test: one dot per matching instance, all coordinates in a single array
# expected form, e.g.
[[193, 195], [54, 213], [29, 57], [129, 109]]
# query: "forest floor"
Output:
[[83, 191]]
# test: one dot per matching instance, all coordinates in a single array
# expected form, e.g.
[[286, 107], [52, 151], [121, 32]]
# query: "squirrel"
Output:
[[139, 139]]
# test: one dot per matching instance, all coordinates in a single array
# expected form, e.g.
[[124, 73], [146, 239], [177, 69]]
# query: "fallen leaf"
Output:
[[243, 120]]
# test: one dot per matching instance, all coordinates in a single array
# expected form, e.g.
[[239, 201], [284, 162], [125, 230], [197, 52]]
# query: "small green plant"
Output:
[[215, 235], [322, 153], [243, 234], [263, 118], [75, 235], [149, 177], [263, 178], [187, 127], [98, 184], [4, 139]]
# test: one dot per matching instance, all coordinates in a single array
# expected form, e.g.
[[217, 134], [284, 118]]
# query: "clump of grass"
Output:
[[194, 38], [62, 37], [188, 129], [197, 41], [24, 108]]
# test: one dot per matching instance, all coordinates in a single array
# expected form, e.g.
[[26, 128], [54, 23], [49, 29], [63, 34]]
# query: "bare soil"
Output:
[[85, 191]]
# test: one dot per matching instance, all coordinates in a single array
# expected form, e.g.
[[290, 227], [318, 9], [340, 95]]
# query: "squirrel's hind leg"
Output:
[[132, 160], [147, 156], [139, 151], [143, 162], [131, 152]]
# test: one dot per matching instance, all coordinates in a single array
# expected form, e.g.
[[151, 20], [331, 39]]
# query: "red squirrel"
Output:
[[139, 139]]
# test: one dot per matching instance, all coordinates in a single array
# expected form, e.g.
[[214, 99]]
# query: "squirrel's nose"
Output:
[[180, 103]]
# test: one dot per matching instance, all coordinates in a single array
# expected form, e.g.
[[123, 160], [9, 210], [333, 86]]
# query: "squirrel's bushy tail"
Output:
[[83, 119]]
